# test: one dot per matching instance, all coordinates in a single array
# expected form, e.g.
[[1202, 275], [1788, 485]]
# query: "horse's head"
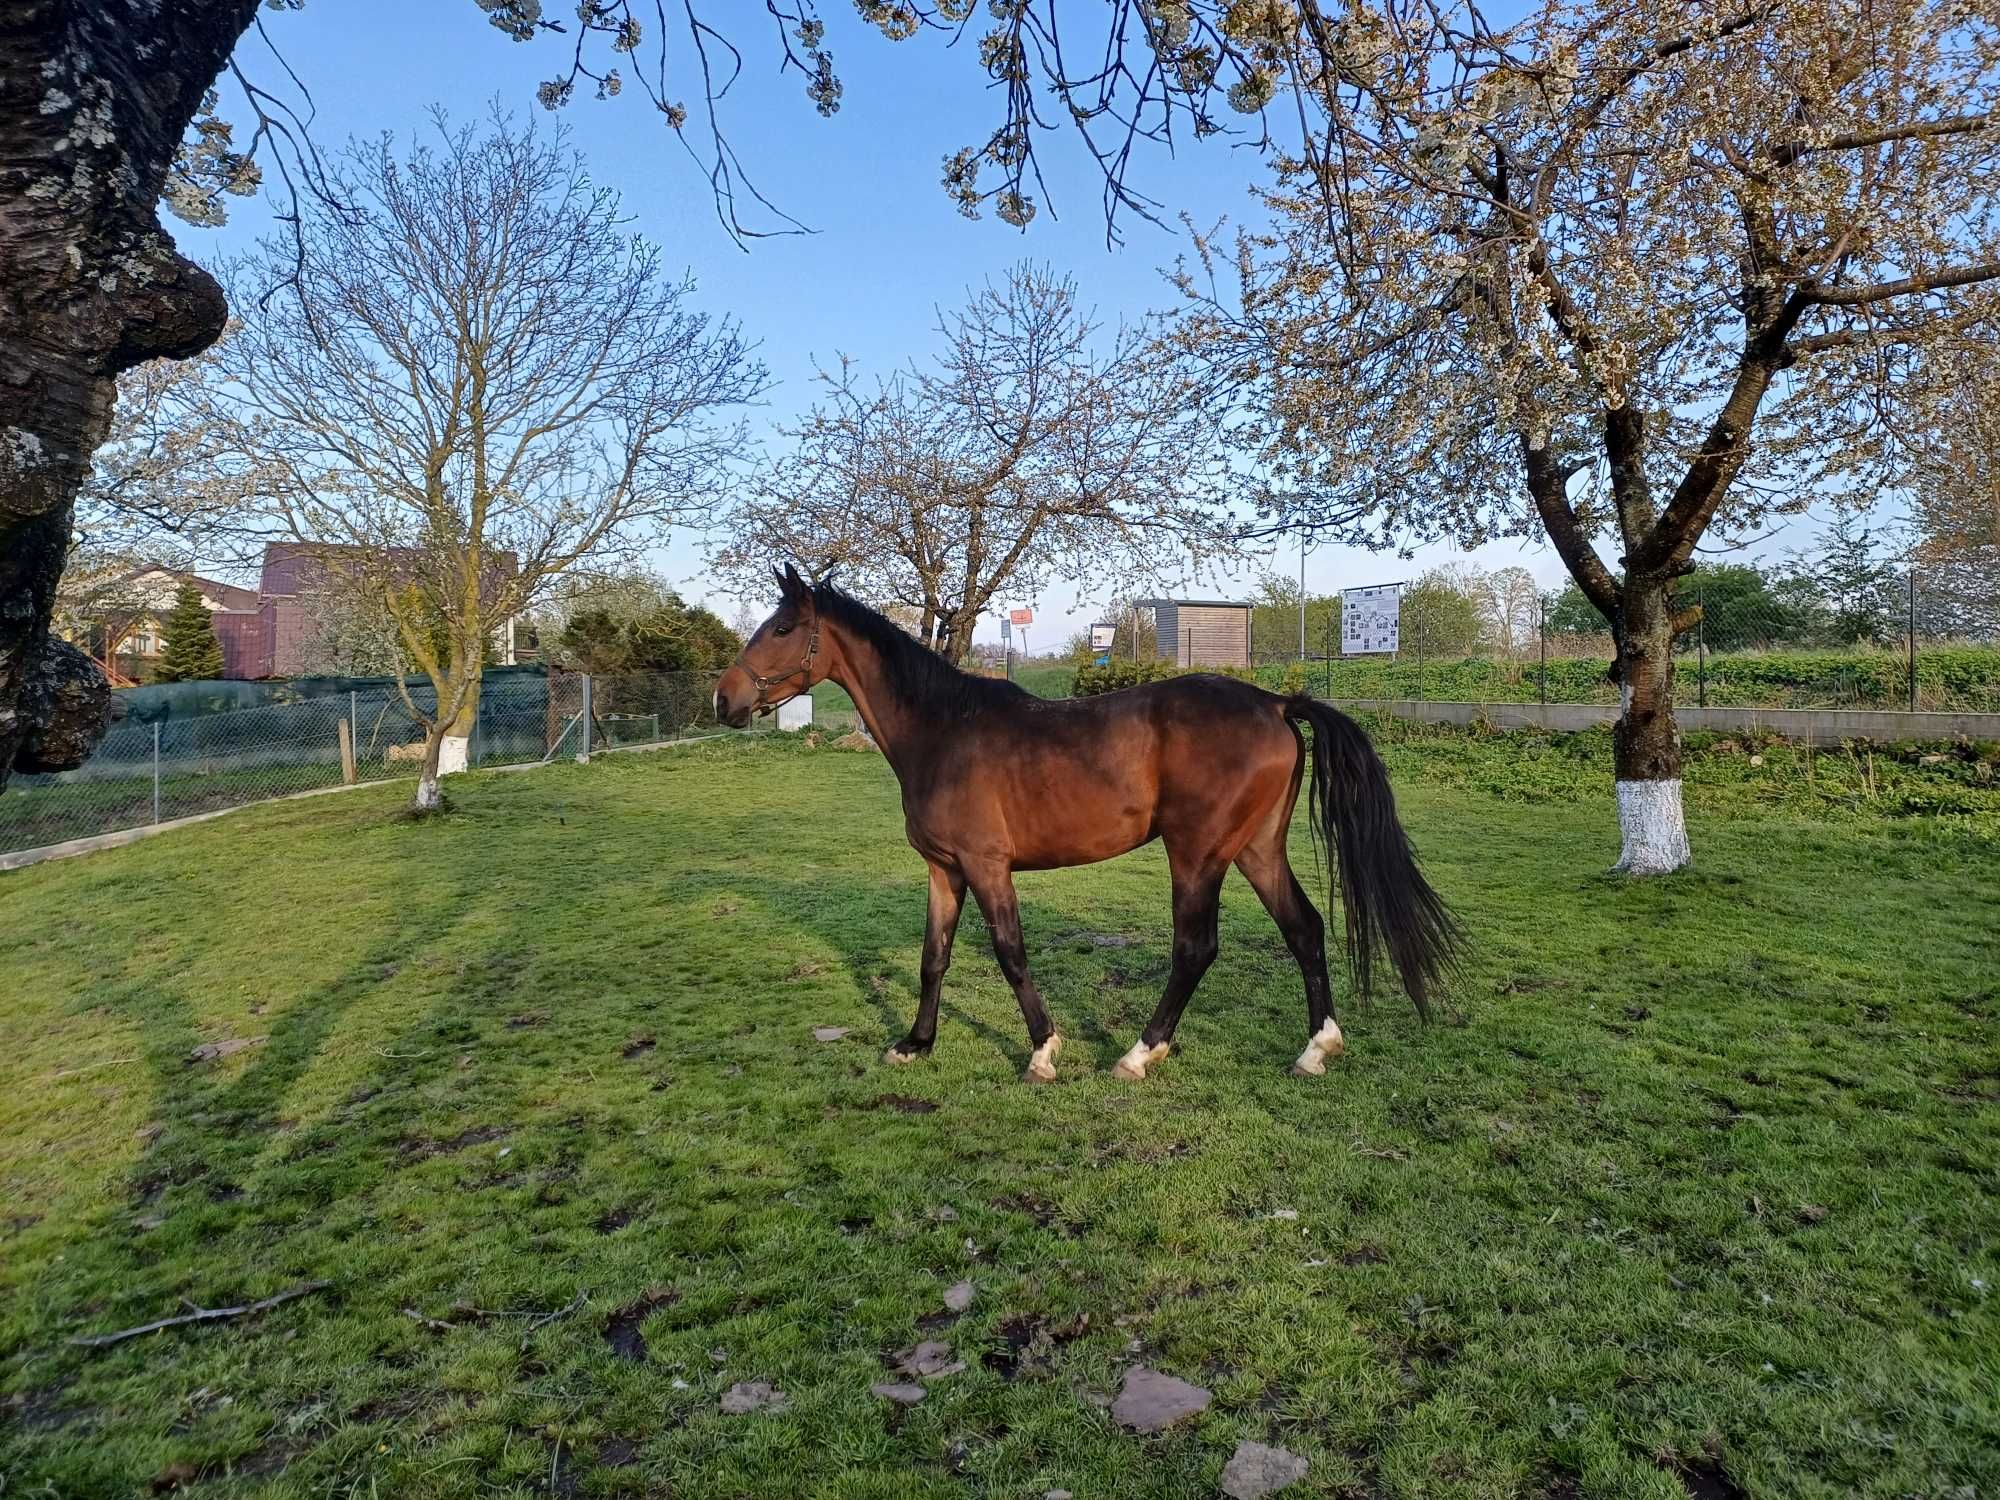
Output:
[[783, 657]]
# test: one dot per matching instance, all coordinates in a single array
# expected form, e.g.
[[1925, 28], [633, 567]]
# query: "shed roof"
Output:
[[1193, 603]]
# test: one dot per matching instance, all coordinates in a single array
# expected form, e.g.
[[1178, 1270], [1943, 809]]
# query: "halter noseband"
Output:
[[802, 670]]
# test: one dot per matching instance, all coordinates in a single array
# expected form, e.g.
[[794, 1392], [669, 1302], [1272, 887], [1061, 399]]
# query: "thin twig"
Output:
[[109, 1062], [550, 1317], [199, 1315]]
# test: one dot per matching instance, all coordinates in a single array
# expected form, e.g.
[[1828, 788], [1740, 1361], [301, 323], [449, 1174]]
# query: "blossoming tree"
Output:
[[1616, 274]]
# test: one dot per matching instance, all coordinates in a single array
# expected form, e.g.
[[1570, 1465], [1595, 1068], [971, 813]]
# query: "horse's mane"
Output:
[[914, 672]]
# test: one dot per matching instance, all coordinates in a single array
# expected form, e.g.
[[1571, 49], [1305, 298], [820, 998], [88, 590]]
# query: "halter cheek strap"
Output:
[[803, 671]]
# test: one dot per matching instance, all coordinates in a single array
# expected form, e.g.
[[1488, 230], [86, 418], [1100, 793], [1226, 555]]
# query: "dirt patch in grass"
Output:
[[618, 1453], [423, 1148], [1028, 1344], [639, 1046], [1704, 1479], [621, 1329], [907, 1104]]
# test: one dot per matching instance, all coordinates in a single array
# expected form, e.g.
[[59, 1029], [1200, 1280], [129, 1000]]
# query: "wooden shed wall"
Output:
[[1208, 635]]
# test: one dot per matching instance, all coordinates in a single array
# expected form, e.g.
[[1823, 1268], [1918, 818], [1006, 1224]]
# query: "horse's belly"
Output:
[[1051, 844]]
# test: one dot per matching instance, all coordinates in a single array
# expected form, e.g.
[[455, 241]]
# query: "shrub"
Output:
[[1122, 672]]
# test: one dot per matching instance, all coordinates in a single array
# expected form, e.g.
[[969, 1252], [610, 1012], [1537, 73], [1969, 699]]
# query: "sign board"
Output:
[[1103, 637], [1371, 619], [1021, 616], [1006, 629]]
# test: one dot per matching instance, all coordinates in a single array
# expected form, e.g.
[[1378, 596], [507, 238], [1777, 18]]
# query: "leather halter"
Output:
[[802, 670]]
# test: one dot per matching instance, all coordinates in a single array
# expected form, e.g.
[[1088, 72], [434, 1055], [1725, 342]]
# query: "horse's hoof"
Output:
[[1300, 1070], [896, 1056], [1132, 1066], [1042, 1061]]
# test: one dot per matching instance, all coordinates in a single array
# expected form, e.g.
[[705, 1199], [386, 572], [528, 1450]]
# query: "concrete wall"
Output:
[[1818, 726]]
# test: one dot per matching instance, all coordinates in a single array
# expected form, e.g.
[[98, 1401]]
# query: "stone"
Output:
[[903, 1393], [829, 1033], [1256, 1470], [1152, 1402], [747, 1396], [958, 1297]]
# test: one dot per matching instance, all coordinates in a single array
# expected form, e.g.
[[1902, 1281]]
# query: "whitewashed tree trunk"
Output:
[[1647, 742], [1655, 832]]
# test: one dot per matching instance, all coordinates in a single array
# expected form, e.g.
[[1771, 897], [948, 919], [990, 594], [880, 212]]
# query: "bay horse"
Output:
[[996, 780]]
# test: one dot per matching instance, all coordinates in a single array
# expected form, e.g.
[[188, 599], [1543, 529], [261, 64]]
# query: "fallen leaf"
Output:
[[1152, 1402], [1256, 1470], [214, 1051], [747, 1396], [958, 1296], [930, 1358], [900, 1392], [829, 1033]]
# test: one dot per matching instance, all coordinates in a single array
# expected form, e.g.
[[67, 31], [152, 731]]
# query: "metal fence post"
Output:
[[1420, 656], [156, 770], [585, 756], [1542, 629], [354, 724], [1701, 645], [1913, 640]]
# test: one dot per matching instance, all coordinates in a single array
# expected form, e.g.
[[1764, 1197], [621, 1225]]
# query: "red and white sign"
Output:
[[1021, 616]]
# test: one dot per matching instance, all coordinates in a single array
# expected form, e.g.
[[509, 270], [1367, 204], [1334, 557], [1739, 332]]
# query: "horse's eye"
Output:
[[782, 630]]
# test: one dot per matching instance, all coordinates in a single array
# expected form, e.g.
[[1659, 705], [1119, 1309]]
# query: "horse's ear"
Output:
[[792, 585]]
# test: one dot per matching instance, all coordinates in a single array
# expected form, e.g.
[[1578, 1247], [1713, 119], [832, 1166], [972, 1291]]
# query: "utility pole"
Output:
[[1302, 596]]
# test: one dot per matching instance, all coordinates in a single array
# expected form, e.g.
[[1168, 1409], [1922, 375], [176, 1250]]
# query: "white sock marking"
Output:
[[1326, 1042]]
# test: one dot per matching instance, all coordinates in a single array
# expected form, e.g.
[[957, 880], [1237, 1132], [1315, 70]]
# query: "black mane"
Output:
[[913, 671]]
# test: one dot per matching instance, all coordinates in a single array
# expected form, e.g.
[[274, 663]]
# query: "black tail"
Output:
[[1386, 898]]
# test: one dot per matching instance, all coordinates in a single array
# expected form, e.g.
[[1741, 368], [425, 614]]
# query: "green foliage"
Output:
[[1274, 619], [189, 651], [1531, 1244], [667, 636], [1123, 672], [1439, 618], [1956, 677]]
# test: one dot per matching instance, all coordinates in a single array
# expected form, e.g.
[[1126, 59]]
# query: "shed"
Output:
[[1200, 632]]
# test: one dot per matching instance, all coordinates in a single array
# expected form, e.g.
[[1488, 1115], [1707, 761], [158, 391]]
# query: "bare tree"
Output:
[[1511, 602], [468, 379], [1955, 495], [107, 109], [1025, 454], [1620, 271]]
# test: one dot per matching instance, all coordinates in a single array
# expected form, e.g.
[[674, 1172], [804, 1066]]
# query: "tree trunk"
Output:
[[429, 798], [94, 98], [955, 635], [1646, 742], [455, 752]]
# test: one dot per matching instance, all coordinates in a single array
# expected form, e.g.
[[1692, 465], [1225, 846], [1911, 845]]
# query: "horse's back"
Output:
[[1073, 781]]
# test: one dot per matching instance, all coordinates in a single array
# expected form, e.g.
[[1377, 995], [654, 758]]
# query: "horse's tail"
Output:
[[1386, 899]]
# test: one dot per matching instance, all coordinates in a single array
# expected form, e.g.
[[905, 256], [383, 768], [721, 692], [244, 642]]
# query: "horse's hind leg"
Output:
[[1002, 910], [1267, 867], [947, 898], [1197, 894]]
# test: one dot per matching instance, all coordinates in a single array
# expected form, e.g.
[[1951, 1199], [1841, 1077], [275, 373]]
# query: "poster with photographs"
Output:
[[1371, 620]]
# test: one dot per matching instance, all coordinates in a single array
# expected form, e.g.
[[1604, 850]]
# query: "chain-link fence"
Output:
[[177, 766], [1900, 643]]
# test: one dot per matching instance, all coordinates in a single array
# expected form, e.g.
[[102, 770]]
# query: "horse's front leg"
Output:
[[947, 898], [1002, 910]]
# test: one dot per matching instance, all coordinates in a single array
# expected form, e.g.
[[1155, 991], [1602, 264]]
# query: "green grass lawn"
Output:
[[1696, 1194]]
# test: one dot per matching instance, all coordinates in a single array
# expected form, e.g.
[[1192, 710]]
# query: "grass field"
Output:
[[1695, 1193]]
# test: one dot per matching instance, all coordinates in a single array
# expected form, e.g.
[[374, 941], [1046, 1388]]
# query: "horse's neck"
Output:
[[892, 721]]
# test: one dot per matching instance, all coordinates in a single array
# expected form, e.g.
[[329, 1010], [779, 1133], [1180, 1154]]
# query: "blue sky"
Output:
[[888, 248]]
